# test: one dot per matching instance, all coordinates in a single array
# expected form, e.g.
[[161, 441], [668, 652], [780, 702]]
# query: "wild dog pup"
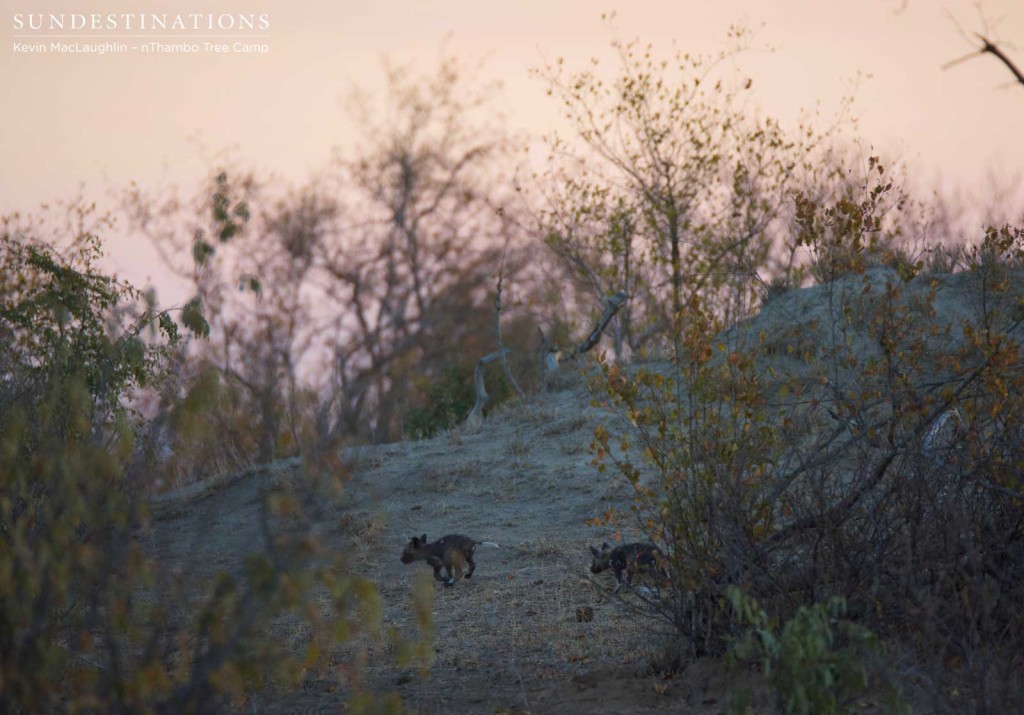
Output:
[[629, 559], [450, 552]]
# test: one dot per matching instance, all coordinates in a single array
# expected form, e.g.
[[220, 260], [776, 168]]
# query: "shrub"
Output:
[[88, 620], [856, 231], [816, 662], [447, 400], [882, 465]]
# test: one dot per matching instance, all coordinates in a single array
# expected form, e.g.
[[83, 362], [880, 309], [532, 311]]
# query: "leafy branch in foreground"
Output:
[[859, 439], [89, 618], [816, 662]]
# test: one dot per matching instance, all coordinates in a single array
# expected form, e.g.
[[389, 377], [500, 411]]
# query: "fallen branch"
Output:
[[612, 305], [475, 416]]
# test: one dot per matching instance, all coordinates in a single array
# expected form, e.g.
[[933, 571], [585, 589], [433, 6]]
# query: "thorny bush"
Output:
[[871, 450]]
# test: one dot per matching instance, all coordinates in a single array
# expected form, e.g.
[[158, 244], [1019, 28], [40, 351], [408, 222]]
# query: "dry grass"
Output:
[[454, 436], [441, 508], [505, 487], [434, 482], [567, 425], [362, 458], [365, 529]]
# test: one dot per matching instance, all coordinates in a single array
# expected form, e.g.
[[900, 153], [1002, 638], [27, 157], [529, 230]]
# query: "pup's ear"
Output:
[[605, 546], [415, 542], [594, 551], [424, 538]]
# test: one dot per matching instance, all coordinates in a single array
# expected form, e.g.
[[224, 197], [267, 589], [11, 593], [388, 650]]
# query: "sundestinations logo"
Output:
[[100, 33]]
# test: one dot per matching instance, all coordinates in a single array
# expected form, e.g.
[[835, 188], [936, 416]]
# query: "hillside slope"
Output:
[[509, 640]]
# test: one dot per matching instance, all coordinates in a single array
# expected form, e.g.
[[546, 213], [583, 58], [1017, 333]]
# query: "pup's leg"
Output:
[[619, 583]]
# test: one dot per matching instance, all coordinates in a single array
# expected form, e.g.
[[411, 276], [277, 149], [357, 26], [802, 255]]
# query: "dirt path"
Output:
[[509, 639]]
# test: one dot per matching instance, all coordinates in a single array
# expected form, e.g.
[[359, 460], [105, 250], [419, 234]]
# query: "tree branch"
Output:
[[612, 305], [475, 416], [989, 47]]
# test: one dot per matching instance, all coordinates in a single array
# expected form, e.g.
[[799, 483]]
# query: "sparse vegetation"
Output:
[[817, 662], [90, 618], [825, 478], [802, 436]]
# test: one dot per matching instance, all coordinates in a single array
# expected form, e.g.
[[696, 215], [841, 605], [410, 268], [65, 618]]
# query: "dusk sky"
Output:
[[71, 119]]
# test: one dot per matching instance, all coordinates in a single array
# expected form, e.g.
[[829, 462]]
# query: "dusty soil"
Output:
[[509, 640]]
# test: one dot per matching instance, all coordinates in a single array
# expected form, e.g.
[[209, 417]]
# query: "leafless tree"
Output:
[[367, 281]]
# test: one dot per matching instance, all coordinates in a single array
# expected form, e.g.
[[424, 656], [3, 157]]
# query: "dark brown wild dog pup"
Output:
[[450, 552], [629, 559]]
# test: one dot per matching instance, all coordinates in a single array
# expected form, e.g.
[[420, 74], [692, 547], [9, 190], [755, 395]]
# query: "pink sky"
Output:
[[104, 121]]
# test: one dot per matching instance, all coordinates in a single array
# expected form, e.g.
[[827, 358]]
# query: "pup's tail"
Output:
[[490, 543]]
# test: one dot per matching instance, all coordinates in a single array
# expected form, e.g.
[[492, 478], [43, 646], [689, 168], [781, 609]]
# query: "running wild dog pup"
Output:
[[629, 558], [449, 552]]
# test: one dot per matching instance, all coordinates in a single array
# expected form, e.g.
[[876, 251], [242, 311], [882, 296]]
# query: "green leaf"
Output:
[[193, 319], [201, 250], [168, 327], [229, 231]]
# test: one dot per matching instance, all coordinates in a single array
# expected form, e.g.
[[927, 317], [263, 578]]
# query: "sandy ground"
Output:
[[509, 640]]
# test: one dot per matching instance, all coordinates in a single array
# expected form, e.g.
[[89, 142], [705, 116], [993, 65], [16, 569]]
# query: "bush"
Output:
[[447, 401], [855, 232], [881, 463], [816, 662], [88, 620], [670, 187]]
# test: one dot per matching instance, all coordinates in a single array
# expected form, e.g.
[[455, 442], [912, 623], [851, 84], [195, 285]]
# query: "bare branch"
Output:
[[475, 416], [987, 47], [991, 48], [612, 305]]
